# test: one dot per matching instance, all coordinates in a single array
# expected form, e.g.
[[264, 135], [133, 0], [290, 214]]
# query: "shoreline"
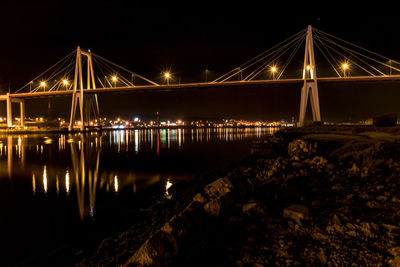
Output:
[[313, 197]]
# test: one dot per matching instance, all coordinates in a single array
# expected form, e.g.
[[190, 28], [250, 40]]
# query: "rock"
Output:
[[336, 220], [252, 208], [351, 233], [213, 207], [372, 204], [390, 227], [218, 188], [382, 198], [322, 256], [199, 198], [156, 251], [248, 207], [296, 212], [395, 252], [319, 236], [385, 120], [337, 187], [395, 200]]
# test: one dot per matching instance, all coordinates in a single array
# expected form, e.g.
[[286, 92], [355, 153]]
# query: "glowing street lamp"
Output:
[[273, 70], [114, 79], [167, 76], [65, 82], [43, 84], [345, 66]]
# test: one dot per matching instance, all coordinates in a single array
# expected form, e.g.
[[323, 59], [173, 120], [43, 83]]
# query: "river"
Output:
[[60, 190]]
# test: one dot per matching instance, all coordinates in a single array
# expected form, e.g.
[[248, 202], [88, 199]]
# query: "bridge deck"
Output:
[[190, 86]]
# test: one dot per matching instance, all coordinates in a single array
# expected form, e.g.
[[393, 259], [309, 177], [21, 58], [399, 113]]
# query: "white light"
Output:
[[116, 184]]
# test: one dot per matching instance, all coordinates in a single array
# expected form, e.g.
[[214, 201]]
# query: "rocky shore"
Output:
[[315, 196]]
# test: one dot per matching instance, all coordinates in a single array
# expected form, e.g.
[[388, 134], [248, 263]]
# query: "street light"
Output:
[[345, 66], [43, 84], [167, 76], [114, 79], [273, 70], [65, 82]]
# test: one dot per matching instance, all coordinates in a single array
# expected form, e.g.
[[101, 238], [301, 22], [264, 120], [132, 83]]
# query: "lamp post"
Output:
[[345, 66], [167, 76], [114, 79], [43, 84], [273, 70]]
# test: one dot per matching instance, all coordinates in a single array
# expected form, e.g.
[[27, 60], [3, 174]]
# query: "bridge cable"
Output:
[[295, 36]]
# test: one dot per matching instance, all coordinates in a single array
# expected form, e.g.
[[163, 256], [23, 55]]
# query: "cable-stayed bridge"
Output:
[[83, 75]]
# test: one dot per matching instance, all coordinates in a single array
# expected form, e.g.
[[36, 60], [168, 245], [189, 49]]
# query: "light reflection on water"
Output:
[[73, 163]]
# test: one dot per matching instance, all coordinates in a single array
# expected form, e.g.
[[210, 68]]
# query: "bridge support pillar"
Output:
[[22, 112], [78, 94], [9, 111], [310, 86], [9, 100]]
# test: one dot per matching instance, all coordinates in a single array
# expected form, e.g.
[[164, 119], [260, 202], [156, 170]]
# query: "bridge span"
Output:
[[197, 86]]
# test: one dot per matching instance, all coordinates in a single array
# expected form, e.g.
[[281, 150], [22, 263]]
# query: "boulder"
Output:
[[156, 251], [296, 212], [218, 188], [385, 120]]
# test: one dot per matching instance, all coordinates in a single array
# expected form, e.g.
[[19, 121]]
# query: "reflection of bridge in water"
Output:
[[80, 173], [346, 62]]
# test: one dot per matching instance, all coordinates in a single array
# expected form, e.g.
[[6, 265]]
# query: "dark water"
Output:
[[57, 189]]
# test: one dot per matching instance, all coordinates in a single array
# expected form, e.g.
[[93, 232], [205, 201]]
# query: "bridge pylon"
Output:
[[92, 105], [310, 86]]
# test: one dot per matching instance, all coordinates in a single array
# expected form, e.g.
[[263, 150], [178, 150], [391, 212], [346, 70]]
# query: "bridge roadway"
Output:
[[193, 86]]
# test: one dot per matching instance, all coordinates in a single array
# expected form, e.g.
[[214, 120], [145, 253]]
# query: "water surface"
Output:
[[57, 189]]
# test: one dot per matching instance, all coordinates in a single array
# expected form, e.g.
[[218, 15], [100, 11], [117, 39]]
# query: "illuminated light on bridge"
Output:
[[273, 70], [167, 76], [65, 82], [43, 84], [345, 66]]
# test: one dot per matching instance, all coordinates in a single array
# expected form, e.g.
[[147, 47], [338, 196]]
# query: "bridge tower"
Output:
[[92, 105], [310, 87]]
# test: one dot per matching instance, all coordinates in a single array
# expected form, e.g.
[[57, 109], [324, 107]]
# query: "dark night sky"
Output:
[[148, 37]]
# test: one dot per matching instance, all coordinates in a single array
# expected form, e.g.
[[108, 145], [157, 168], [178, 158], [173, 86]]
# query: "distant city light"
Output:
[[136, 119]]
